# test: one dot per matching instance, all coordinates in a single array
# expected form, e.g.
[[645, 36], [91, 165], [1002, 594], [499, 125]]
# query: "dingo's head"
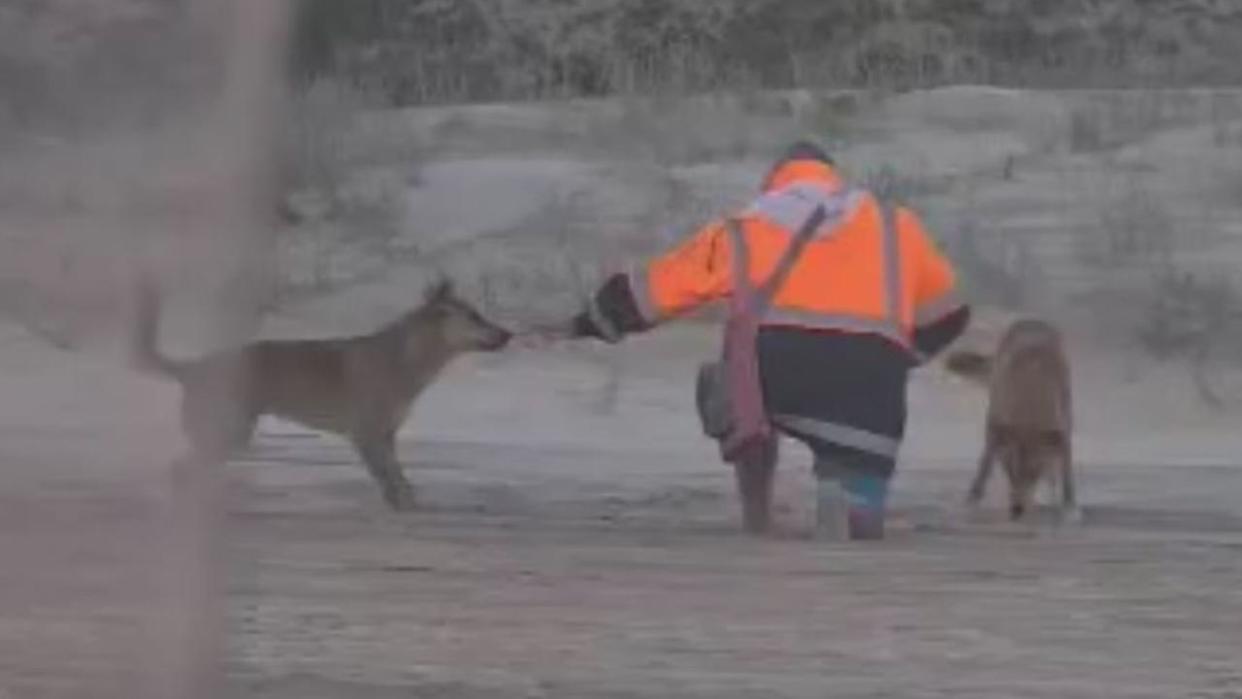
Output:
[[462, 327]]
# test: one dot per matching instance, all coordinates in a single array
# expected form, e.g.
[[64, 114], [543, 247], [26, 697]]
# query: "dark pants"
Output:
[[855, 381]]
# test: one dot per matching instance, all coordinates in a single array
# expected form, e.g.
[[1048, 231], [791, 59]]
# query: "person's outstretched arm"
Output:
[[696, 271]]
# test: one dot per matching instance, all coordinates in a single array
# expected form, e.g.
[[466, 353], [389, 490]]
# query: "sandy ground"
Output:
[[574, 543], [570, 550]]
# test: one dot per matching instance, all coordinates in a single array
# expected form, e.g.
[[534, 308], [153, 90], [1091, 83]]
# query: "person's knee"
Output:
[[865, 472]]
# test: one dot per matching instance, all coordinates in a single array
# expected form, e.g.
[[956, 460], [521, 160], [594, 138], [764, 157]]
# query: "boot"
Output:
[[832, 517]]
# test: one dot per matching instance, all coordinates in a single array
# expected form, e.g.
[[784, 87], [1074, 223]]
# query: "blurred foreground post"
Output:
[[233, 188], [153, 147]]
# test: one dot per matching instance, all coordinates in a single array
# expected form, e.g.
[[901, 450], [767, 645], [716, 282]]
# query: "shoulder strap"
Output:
[[764, 294], [741, 258]]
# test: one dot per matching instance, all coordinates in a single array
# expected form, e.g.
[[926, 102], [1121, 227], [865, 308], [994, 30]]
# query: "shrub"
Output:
[[344, 173], [1196, 317]]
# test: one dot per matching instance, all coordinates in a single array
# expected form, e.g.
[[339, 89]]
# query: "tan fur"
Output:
[[1029, 422], [359, 387]]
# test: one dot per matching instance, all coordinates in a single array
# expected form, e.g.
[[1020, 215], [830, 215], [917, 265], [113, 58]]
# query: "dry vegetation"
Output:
[[443, 50]]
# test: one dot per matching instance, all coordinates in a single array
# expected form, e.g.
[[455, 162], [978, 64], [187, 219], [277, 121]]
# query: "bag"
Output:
[[728, 391], [712, 399]]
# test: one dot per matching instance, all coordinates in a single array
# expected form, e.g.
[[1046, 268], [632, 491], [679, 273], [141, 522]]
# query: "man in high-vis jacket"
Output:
[[867, 300]]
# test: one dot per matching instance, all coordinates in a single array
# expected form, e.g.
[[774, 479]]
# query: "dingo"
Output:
[[1029, 419], [359, 387]]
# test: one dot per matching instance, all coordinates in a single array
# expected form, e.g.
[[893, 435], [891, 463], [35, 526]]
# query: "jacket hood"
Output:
[[814, 171]]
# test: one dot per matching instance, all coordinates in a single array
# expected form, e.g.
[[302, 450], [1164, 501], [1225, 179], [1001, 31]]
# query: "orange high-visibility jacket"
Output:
[[856, 275]]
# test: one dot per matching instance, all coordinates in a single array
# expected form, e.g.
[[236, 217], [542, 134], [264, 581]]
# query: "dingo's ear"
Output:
[[971, 365], [441, 290]]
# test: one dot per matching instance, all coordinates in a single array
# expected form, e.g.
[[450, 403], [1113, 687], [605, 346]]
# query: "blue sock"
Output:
[[868, 498], [866, 490]]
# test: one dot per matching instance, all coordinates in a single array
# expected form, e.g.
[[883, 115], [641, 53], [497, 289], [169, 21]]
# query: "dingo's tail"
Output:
[[144, 352], [974, 366]]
